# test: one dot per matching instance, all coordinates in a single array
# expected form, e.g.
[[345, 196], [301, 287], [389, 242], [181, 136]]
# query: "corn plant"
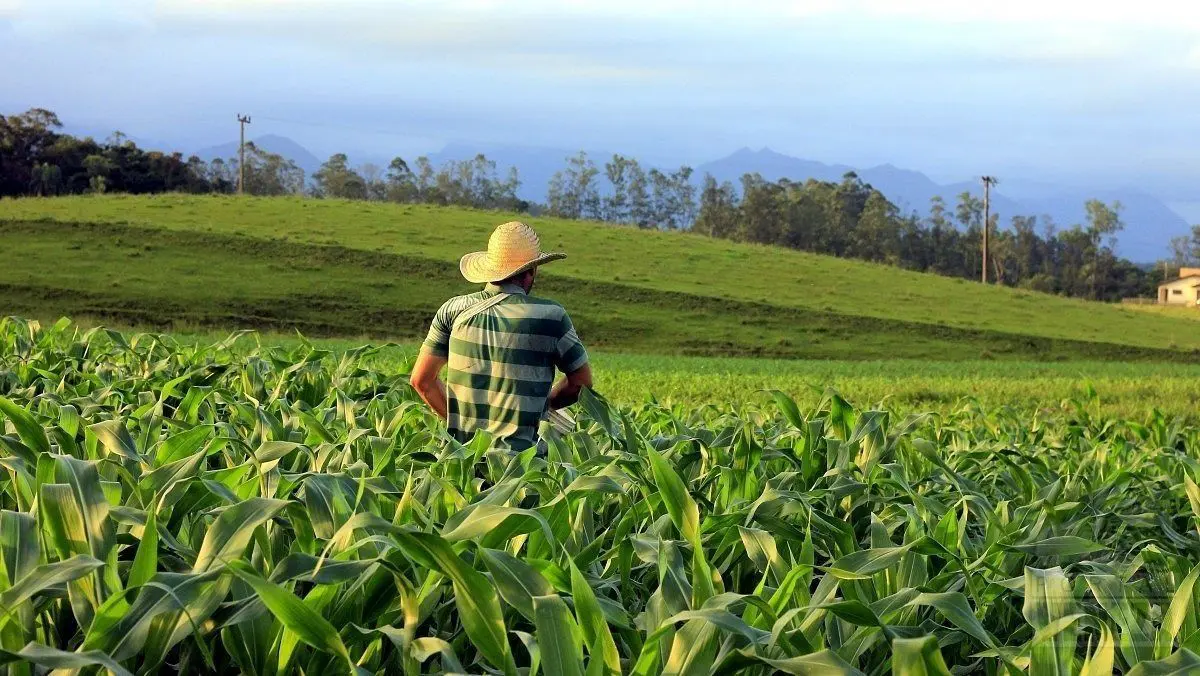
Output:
[[241, 508]]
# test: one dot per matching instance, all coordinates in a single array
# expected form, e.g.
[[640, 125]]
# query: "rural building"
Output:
[[1182, 291]]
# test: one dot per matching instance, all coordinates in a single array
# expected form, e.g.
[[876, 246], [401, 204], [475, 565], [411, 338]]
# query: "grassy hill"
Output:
[[356, 268]]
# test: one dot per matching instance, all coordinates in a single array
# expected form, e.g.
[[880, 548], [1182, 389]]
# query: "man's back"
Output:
[[502, 361]]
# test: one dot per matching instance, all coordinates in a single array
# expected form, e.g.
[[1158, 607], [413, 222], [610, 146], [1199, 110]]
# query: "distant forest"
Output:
[[848, 218]]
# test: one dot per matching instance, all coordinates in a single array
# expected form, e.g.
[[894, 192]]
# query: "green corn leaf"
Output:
[[954, 607], [28, 428], [1100, 661], [1064, 545], [116, 439], [227, 538], [1136, 639], [558, 637], [1182, 606], [306, 623], [145, 562], [918, 657], [1048, 597], [788, 407], [680, 505], [46, 576], [18, 545], [53, 658], [183, 444], [861, 565], [476, 599], [1179, 664], [516, 581], [602, 650]]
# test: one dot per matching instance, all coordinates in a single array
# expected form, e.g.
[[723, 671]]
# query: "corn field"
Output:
[[171, 508]]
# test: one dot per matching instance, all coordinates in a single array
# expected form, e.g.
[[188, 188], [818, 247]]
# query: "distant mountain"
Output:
[[280, 145], [1149, 223]]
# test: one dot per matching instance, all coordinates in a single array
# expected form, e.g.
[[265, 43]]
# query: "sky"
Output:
[[1097, 93]]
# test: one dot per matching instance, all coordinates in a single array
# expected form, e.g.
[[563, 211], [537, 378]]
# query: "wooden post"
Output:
[[243, 120], [987, 221]]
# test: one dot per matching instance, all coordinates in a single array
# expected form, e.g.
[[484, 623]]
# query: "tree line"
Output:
[[848, 218], [852, 219], [37, 159]]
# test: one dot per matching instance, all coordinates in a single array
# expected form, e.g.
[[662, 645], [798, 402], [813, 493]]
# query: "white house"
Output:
[[1182, 291]]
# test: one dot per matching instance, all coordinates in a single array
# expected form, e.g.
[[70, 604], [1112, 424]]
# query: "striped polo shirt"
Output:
[[501, 362]]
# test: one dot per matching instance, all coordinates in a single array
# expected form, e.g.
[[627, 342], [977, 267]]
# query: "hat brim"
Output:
[[476, 269]]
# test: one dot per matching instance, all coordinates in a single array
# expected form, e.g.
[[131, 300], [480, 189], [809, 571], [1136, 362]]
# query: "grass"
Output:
[[1119, 389], [266, 510], [1176, 311], [351, 268]]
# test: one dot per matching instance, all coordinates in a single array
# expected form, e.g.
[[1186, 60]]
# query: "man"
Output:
[[501, 347]]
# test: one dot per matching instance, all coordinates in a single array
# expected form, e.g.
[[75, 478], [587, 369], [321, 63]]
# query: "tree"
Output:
[[1026, 247], [24, 140], [401, 184], [1185, 249], [97, 167], [335, 178], [426, 186], [221, 176], [640, 209], [572, 192], [719, 211], [372, 176], [943, 239], [660, 198], [557, 194], [969, 213], [270, 174], [581, 174], [1103, 221], [616, 204], [506, 192], [761, 210], [683, 199]]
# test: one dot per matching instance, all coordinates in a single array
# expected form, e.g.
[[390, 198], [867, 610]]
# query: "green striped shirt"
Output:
[[501, 362]]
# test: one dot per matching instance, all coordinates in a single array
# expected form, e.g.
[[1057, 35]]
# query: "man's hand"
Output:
[[426, 381], [566, 391]]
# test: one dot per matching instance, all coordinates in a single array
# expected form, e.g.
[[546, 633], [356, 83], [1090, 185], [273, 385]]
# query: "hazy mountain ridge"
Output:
[[1150, 223]]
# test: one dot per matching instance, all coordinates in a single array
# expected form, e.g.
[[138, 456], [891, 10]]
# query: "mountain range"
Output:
[[1149, 223]]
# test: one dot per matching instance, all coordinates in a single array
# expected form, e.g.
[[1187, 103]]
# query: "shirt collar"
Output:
[[504, 288]]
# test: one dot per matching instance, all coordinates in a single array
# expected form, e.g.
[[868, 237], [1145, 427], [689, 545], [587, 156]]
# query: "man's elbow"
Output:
[[418, 380], [580, 379]]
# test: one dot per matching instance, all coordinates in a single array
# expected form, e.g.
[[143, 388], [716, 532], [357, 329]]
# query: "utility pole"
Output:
[[243, 120], [988, 181]]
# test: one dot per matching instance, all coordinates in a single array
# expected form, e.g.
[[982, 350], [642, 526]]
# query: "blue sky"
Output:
[[1101, 92]]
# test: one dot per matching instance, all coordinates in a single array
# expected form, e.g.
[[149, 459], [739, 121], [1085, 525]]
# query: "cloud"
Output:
[[916, 81], [103, 21]]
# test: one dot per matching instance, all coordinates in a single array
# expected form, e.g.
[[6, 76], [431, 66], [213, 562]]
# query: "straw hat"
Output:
[[512, 249]]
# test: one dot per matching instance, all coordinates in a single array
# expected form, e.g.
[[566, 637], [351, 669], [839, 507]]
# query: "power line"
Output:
[[326, 125]]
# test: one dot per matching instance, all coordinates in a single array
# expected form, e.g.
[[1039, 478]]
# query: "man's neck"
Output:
[[504, 288]]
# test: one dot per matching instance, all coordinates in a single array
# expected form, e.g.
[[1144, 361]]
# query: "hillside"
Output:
[[350, 268]]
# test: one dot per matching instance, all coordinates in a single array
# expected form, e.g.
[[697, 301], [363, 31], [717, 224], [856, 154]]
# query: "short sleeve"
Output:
[[571, 356], [437, 342]]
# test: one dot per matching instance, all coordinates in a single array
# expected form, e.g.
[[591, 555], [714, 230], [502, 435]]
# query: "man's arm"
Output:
[[427, 382], [566, 391]]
